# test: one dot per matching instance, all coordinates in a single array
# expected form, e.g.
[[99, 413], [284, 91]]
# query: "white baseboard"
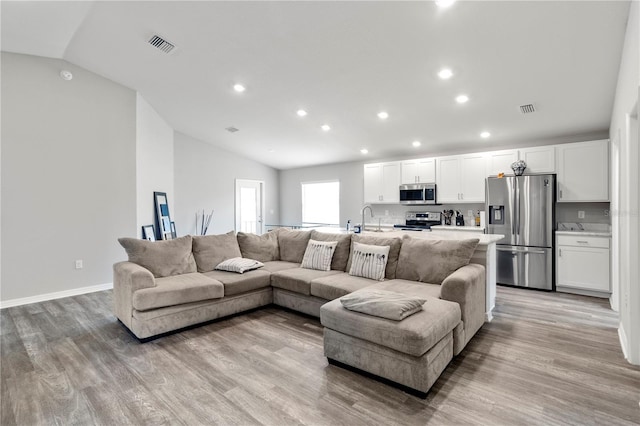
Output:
[[623, 341], [57, 295]]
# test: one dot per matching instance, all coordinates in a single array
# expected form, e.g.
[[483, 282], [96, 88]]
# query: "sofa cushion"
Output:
[[162, 258], [210, 250], [263, 248], [292, 244], [394, 249], [298, 280], [369, 261], [278, 265], [241, 283], [318, 255], [341, 255], [176, 290], [239, 265], [338, 285], [383, 303], [414, 335], [409, 287], [431, 261]]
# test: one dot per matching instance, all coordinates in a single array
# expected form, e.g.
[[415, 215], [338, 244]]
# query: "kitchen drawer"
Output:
[[580, 241]]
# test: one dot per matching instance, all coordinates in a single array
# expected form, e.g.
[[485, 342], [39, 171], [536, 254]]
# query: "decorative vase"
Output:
[[518, 167]]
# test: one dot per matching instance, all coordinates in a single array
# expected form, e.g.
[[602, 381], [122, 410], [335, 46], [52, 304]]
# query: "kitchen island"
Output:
[[485, 253]]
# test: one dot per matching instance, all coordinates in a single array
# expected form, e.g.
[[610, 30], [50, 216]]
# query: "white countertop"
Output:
[[585, 233], [458, 228]]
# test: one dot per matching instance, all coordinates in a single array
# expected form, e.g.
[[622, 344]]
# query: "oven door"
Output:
[[411, 194]]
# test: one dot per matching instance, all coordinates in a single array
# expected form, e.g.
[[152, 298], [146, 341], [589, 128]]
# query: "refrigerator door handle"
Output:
[[515, 250]]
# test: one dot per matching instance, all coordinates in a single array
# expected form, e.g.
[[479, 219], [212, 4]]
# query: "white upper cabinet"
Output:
[[539, 159], [461, 178], [422, 170], [500, 161], [583, 171], [382, 182]]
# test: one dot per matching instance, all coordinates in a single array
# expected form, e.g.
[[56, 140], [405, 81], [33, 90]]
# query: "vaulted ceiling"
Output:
[[343, 63]]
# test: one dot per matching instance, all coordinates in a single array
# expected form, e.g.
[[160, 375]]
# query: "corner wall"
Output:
[[626, 197], [68, 176], [154, 162], [205, 179]]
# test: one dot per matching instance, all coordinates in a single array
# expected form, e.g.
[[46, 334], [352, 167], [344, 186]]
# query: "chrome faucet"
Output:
[[367, 206]]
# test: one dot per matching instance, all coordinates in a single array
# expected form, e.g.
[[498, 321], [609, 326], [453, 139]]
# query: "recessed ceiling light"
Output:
[[461, 99], [66, 75], [239, 88], [301, 113], [272, 150], [325, 127], [416, 143], [383, 115], [445, 73], [364, 151], [445, 3], [485, 135]]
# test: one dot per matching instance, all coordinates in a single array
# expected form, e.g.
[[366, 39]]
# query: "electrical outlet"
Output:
[[79, 264], [469, 213], [386, 212], [580, 214]]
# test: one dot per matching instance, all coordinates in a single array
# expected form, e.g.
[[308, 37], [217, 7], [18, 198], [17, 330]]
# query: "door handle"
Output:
[[525, 251]]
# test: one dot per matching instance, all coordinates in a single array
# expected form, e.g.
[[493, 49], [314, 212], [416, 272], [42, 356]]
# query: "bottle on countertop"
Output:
[[348, 225], [478, 218]]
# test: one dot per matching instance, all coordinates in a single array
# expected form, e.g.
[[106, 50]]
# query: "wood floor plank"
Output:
[[545, 359]]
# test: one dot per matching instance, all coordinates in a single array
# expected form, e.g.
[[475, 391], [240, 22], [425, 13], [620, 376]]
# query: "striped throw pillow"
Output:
[[239, 265], [369, 261], [318, 255]]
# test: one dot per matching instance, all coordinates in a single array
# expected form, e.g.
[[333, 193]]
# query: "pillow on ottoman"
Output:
[[382, 303], [163, 258], [369, 261], [431, 261], [210, 250], [263, 248]]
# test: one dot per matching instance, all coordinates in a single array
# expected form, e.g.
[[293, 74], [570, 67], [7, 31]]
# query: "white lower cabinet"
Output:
[[582, 263]]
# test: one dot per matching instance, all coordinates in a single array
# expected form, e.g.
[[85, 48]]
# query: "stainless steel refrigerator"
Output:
[[522, 208]]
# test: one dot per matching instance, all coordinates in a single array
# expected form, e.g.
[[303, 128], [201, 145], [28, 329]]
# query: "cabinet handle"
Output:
[[559, 252], [582, 242], [561, 194]]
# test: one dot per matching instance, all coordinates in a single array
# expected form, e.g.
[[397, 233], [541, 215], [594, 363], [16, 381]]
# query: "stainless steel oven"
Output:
[[418, 193]]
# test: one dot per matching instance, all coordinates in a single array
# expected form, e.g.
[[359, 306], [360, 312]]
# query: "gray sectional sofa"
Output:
[[169, 285]]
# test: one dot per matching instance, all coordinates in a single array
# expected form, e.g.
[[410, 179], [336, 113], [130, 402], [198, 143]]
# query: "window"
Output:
[[321, 203]]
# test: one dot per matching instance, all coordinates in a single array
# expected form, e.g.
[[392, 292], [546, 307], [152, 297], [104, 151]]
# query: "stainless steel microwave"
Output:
[[418, 193]]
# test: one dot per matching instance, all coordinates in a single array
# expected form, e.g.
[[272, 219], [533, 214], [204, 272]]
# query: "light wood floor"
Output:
[[545, 359]]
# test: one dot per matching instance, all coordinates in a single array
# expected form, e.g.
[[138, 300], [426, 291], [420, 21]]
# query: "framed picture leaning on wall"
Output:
[[163, 218], [148, 233]]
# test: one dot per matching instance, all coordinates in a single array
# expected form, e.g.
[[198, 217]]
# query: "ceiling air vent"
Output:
[[162, 44], [231, 129], [527, 109]]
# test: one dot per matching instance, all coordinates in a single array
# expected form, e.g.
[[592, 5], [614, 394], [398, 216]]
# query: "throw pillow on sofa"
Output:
[[162, 258], [318, 255], [263, 248], [431, 261], [341, 255], [394, 250], [210, 250], [239, 265], [292, 244], [369, 261], [382, 303]]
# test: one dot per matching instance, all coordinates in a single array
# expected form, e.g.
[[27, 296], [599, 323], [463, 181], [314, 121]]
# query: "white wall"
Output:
[[625, 206], [68, 176], [350, 175], [154, 162], [205, 179]]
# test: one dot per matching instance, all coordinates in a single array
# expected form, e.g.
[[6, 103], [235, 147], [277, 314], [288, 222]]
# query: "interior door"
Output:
[[249, 206]]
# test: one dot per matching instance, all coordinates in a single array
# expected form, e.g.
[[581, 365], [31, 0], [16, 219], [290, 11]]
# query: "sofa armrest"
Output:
[[128, 278], [466, 286]]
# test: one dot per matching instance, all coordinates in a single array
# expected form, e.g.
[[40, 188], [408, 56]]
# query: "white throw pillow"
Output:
[[318, 255], [369, 261], [239, 265]]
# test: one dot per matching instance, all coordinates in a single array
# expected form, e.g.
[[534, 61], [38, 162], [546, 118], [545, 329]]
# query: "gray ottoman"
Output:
[[412, 352]]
